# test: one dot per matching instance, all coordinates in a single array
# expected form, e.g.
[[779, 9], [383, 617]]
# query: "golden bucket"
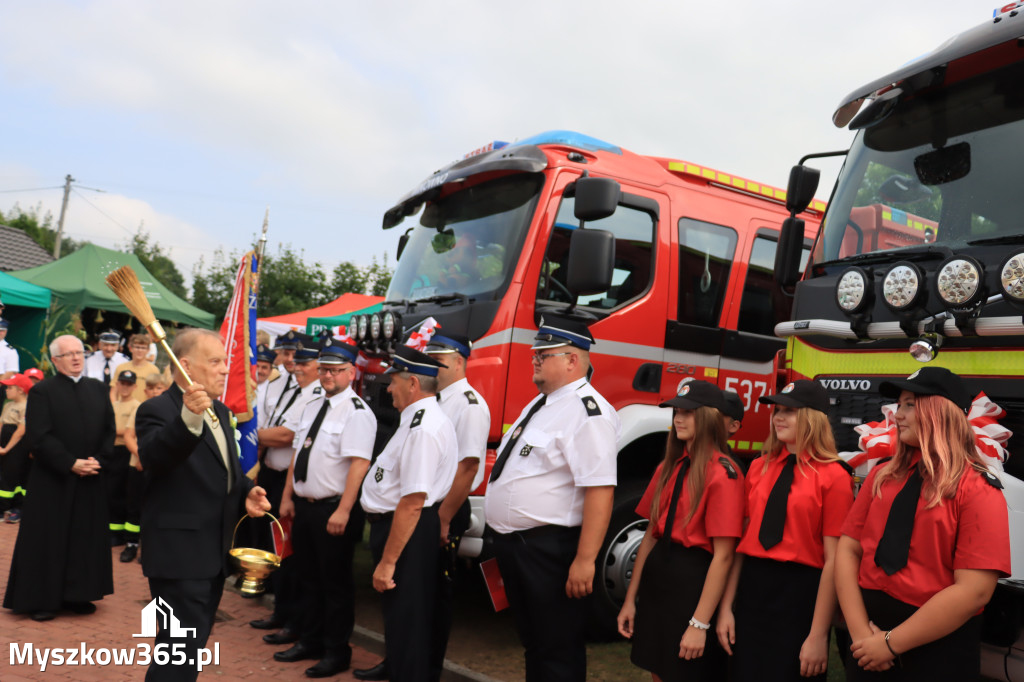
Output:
[[253, 566]]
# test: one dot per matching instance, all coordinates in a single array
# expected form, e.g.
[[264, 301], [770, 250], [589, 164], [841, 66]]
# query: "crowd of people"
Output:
[[743, 570]]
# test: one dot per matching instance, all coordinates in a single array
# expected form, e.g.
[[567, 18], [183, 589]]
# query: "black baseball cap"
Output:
[[802, 393], [733, 405], [930, 381], [127, 377], [696, 394]]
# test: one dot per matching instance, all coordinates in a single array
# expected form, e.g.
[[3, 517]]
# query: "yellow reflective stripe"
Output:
[[812, 362], [744, 445], [20, 491], [711, 372], [7, 494], [757, 446], [117, 526], [131, 528]]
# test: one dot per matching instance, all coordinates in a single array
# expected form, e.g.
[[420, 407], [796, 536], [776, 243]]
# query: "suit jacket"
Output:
[[188, 514]]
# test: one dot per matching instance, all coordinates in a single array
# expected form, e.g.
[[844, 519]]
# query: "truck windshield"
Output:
[[942, 169], [467, 242]]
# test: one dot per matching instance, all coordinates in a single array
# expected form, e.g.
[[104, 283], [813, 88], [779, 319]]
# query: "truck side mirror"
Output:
[[402, 242], [803, 183], [591, 261], [596, 198], [787, 255]]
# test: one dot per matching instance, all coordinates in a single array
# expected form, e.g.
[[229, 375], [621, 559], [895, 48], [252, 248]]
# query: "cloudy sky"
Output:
[[192, 117]]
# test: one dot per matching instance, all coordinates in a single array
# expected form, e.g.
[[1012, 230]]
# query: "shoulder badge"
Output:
[[992, 480], [846, 465], [417, 419], [730, 470], [471, 398], [591, 406], [358, 403], [318, 390], [378, 475]]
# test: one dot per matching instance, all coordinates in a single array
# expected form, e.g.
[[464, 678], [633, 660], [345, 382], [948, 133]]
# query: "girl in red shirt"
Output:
[[683, 561], [777, 610], [924, 544]]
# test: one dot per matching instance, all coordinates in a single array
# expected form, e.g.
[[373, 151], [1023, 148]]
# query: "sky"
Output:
[[192, 118]]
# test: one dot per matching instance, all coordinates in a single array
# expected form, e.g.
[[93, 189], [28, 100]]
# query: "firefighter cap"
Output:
[[410, 360], [562, 331]]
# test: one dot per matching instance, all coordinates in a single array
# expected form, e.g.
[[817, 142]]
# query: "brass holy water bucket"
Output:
[[253, 566]]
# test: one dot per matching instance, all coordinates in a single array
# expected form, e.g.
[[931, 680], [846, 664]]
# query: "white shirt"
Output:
[[569, 445], [8, 358], [347, 431], [471, 418], [280, 458], [419, 458], [272, 398], [95, 363], [261, 399]]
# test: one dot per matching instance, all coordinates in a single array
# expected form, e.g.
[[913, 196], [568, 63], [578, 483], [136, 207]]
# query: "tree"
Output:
[[379, 276], [348, 278], [157, 260], [41, 231]]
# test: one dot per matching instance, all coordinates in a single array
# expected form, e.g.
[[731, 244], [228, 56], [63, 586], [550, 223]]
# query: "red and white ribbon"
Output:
[[419, 339]]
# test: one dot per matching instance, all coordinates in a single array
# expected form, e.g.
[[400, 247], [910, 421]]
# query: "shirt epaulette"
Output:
[[992, 479], [318, 390], [417, 419], [846, 465], [471, 398], [590, 405], [358, 403], [730, 470]]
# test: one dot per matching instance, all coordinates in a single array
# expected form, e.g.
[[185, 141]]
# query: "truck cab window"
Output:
[[634, 257], [758, 313], [706, 252]]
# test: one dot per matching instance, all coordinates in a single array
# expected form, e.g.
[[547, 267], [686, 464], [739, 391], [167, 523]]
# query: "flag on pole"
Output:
[[239, 334]]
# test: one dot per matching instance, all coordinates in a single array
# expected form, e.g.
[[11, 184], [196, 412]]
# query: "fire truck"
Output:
[[669, 262], [920, 258]]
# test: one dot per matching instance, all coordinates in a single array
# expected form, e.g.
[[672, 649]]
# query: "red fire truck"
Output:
[[493, 240], [921, 259]]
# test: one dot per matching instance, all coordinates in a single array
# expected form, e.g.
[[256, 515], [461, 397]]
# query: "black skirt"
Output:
[[953, 658], [670, 587], [774, 608]]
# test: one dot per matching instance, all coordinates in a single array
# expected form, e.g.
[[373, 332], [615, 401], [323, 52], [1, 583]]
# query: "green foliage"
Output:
[[378, 276], [348, 278], [157, 260], [41, 230]]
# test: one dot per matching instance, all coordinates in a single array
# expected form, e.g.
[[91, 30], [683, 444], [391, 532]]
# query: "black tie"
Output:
[[302, 461], [106, 372], [499, 463], [774, 521], [670, 519], [894, 546]]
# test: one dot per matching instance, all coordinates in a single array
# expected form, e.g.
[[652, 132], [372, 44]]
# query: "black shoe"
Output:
[[330, 665], [129, 552], [298, 652], [377, 672], [271, 623], [81, 607], [285, 636], [40, 616]]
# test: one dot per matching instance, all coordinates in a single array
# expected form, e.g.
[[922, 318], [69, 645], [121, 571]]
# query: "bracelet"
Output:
[[699, 625], [889, 646]]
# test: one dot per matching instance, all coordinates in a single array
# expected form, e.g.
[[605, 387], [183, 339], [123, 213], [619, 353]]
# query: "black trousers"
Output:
[[284, 582], [117, 481], [13, 470], [195, 606], [409, 607], [135, 482], [446, 591], [534, 566], [324, 568]]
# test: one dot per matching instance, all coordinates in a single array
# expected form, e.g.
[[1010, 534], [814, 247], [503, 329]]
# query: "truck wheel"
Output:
[[615, 567]]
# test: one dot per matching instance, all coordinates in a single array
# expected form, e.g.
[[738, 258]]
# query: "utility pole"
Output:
[[63, 209]]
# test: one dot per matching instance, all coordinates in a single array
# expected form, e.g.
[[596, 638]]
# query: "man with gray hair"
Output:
[[62, 554]]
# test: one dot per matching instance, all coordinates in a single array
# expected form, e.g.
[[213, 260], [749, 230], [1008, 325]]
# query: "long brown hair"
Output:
[[814, 436], [708, 438], [946, 442]]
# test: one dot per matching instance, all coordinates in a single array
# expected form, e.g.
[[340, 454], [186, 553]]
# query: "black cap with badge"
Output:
[[930, 381], [802, 393], [733, 405], [110, 336], [562, 331], [288, 341], [696, 394], [265, 354], [127, 377], [406, 359]]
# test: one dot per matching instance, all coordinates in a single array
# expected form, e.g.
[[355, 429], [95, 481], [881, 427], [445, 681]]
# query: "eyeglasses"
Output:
[[71, 354], [334, 371], [539, 358]]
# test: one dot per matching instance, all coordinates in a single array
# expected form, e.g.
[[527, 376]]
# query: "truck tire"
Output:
[[615, 563]]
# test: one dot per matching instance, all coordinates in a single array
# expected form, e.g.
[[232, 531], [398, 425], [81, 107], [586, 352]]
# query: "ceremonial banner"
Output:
[[239, 334]]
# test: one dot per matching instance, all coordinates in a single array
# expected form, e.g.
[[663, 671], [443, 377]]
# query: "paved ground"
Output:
[[243, 656]]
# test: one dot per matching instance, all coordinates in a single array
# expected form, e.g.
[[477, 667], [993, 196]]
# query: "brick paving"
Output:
[[243, 655]]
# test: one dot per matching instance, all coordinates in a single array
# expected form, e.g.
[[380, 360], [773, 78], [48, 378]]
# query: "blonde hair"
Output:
[[946, 442], [708, 438], [813, 436]]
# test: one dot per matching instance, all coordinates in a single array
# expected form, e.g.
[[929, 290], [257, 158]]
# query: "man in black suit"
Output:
[[195, 493]]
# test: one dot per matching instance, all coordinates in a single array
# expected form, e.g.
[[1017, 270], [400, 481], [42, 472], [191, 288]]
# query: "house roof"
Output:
[[18, 251]]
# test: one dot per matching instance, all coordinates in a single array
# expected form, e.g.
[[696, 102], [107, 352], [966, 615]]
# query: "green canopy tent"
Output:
[[77, 282], [26, 309], [314, 325]]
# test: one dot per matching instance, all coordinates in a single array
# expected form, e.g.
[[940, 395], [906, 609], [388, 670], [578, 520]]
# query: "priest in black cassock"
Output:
[[62, 554]]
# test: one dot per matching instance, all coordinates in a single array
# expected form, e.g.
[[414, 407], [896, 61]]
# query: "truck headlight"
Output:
[[901, 288], [959, 282], [852, 291]]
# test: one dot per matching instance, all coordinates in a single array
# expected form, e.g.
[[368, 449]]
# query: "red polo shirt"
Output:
[[970, 530], [723, 496], [819, 498]]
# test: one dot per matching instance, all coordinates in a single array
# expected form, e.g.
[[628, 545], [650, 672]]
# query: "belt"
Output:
[[540, 532], [374, 517], [335, 499]]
